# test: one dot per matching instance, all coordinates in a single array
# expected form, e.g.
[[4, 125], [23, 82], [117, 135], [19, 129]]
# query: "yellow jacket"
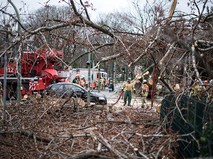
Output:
[[196, 89], [145, 90], [128, 86]]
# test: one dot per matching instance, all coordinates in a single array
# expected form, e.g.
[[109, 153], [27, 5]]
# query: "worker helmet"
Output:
[[206, 82], [144, 81], [211, 82], [129, 79]]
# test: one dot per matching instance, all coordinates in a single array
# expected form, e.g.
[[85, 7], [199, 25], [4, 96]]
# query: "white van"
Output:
[[93, 75]]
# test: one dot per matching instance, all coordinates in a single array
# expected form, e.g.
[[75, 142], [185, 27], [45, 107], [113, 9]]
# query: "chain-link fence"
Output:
[[192, 119]]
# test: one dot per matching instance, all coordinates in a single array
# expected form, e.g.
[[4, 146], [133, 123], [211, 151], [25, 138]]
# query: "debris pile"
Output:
[[51, 128]]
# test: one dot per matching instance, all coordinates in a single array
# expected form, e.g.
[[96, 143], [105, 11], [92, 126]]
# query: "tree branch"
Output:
[[90, 23], [108, 44], [147, 48], [85, 10], [106, 143]]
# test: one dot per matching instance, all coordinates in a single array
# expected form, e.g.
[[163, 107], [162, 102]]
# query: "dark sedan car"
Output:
[[64, 90]]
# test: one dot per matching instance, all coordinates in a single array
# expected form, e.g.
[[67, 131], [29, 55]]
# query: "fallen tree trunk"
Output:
[[88, 154], [32, 135]]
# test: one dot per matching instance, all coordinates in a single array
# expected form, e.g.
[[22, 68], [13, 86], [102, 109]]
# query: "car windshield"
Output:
[[75, 88], [56, 89], [67, 89]]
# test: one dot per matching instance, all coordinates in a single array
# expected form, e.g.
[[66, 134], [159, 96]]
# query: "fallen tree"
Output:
[[40, 128]]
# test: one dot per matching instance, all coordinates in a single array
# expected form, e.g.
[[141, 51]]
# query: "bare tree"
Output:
[[175, 47]]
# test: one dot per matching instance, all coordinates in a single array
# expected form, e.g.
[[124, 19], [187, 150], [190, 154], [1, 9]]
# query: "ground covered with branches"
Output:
[[49, 128]]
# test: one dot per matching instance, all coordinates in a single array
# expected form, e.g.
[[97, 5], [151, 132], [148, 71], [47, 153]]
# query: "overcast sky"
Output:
[[100, 6]]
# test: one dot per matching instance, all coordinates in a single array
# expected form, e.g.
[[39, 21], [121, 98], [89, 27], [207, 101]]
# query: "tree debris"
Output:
[[41, 129]]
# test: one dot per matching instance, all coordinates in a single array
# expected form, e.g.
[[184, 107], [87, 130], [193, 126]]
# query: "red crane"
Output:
[[39, 70]]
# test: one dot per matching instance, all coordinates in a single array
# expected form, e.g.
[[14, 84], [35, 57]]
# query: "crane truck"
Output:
[[39, 69]]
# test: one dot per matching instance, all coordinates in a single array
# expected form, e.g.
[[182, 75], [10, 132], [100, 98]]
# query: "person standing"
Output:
[[83, 81], [102, 83], [76, 80], [144, 93], [111, 86], [128, 88], [196, 90]]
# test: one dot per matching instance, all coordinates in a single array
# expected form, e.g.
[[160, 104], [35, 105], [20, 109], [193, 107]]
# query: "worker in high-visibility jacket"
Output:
[[102, 83], [83, 82], [144, 93], [128, 88], [196, 89], [211, 90]]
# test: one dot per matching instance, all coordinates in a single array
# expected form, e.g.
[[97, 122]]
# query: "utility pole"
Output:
[[19, 56], [114, 72], [89, 79]]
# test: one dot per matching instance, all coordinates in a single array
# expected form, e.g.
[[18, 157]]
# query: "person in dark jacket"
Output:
[[76, 80]]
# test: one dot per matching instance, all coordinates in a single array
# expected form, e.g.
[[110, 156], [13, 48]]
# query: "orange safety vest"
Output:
[[82, 83], [145, 90]]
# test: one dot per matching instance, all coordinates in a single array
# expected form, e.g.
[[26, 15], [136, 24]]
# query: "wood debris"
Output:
[[44, 129]]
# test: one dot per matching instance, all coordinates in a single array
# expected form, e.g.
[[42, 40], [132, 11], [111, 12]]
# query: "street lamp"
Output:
[[99, 76], [89, 67], [124, 72], [5, 76], [19, 58]]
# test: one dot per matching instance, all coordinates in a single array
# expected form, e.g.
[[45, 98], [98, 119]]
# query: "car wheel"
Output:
[[101, 102], [74, 104]]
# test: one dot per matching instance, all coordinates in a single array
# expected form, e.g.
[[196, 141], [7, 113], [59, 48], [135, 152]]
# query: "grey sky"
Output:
[[100, 6]]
